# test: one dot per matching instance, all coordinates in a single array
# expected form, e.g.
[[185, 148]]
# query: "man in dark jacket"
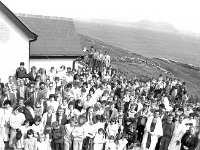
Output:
[[168, 129], [21, 72], [58, 134]]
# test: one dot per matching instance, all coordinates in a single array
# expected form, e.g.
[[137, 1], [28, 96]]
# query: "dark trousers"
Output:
[[132, 138], [158, 144], [88, 144], [164, 143], [58, 146], [140, 129]]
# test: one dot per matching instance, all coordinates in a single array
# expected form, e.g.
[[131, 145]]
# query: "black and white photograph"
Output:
[[100, 75]]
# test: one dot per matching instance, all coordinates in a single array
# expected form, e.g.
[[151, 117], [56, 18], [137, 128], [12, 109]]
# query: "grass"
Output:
[[135, 65]]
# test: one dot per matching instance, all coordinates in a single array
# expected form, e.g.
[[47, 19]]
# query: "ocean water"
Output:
[[174, 46]]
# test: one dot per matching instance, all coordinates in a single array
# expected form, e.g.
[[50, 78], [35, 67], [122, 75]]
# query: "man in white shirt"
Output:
[[107, 59]]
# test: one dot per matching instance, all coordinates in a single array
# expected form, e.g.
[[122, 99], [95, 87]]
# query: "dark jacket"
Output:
[[31, 77], [30, 96], [64, 120], [189, 141], [28, 116], [20, 73], [58, 134]]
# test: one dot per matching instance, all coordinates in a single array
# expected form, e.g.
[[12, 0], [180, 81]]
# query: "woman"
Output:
[[48, 118], [6, 112], [43, 75], [68, 137], [16, 121], [189, 140]]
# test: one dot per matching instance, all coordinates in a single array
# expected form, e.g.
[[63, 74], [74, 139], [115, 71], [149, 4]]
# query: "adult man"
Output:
[[33, 74], [153, 130], [8, 96], [107, 59], [168, 129], [21, 72], [21, 89], [179, 131], [111, 112], [33, 95], [61, 117]]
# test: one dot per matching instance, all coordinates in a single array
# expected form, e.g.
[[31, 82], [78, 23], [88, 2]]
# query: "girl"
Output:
[[112, 128], [30, 143], [110, 145], [42, 143], [122, 143], [37, 127], [6, 111], [99, 140]]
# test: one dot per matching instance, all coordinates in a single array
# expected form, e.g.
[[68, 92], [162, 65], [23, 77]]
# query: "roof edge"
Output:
[[17, 22]]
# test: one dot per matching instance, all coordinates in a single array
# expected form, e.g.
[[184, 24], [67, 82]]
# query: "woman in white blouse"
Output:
[[16, 121]]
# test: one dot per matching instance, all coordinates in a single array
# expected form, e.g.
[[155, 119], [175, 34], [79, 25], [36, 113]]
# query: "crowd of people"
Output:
[[95, 108]]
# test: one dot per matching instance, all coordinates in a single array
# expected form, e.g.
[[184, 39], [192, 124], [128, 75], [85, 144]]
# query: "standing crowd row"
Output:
[[95, 108]]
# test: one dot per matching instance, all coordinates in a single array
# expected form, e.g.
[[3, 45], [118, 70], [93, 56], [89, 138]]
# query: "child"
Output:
[[58, 134], [43, 142], [31, 142], [78, 134], [99, 140], [112, 128], [122, 143], [37, 126], [110, 145]]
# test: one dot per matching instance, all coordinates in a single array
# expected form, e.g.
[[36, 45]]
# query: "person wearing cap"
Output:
[[153, 130], [21, 72], [190, 121], [58, 134]]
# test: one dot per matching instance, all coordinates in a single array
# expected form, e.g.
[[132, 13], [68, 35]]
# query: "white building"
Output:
[[40, 41], [15, 39]]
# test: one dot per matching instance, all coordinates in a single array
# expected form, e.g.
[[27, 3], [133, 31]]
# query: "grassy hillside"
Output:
[[149, 43], [135, 65]]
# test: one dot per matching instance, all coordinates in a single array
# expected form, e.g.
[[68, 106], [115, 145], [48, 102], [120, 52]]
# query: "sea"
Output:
[[150, 43]]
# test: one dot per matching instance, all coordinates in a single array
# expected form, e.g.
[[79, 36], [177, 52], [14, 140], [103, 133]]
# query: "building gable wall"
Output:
[[14, 46]]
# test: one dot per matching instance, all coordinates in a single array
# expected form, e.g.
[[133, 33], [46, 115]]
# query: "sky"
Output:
[[182, 14]]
